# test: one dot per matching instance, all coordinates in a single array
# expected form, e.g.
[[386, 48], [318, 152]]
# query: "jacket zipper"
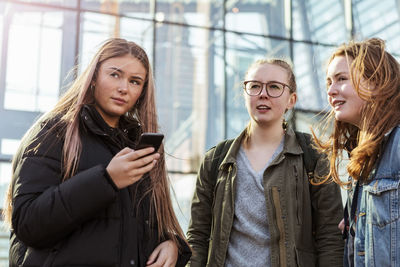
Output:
[[296, 175], [281, 227]]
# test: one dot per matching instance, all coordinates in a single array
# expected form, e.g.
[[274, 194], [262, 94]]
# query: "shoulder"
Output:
[[391, 152], [44, 137]]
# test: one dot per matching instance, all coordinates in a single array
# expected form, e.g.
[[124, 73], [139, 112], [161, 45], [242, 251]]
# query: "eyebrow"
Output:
[[340, 73], [121, 71]]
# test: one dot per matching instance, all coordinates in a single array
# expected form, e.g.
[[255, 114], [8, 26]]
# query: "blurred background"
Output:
[[199, 51]]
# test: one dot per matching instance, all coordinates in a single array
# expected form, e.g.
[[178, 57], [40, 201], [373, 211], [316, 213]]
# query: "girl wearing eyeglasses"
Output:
[[253, 204]]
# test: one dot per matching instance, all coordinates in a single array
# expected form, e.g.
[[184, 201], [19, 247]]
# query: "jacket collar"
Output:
[[290, 146], [93, 121]]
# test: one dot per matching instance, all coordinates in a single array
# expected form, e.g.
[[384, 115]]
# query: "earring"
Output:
[[284, 124], [92, 87]]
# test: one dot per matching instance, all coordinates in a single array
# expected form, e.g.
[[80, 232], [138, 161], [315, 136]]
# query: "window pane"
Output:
[[132, 8], [319, 21], [201, 13], [96, 28], [242, 51], [66, 3], [310, 65], [183, 186], [33, 71], [379, 18], [9, 146], [259, 17], [189, 80]]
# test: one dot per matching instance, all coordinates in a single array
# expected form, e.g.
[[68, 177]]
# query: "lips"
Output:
[[337, 103], [263, 107], [118, 100]]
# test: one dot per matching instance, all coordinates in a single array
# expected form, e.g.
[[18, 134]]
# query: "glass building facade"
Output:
[[199, 50]]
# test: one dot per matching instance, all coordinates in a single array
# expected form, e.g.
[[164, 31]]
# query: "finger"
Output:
[[160, 261], [136, 154], [153, 256], [137, 173], [124, 151], [144, 161], [341, 225]]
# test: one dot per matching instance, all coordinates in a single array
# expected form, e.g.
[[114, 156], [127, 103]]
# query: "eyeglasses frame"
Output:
[[262, 88]]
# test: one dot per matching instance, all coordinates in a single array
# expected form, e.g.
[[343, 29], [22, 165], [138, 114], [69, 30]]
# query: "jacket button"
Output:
[[132, 262]]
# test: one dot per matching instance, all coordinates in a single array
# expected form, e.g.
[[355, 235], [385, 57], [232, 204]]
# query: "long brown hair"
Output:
[[381, 112], [283, 63], [68, 109]]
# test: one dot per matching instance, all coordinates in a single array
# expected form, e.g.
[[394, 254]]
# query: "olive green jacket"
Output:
[[302, 218]]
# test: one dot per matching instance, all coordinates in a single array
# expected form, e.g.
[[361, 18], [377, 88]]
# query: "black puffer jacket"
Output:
[[86, 220]]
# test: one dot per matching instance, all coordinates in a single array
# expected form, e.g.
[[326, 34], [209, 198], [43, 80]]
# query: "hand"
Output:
[[128, 166], [164, 255], [341, 226]]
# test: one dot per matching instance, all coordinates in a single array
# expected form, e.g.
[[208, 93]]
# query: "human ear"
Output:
[[292, 101]]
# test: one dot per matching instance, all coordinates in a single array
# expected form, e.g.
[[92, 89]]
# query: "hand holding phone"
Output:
[[150, 140]]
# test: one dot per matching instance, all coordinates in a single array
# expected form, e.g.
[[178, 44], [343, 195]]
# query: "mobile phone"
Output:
[[150, 139]]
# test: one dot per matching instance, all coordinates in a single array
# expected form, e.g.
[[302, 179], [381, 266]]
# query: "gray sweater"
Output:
[[249, 240]]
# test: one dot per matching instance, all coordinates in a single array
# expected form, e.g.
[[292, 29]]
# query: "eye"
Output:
[[342, 78], [135, 82], [328, 83], [255, 85], [275, 86], [114, 74]]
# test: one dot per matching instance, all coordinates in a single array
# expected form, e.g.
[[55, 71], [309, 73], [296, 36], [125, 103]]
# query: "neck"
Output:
[[261, 135]]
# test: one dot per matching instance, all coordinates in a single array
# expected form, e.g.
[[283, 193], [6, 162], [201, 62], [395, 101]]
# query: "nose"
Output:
[[264, 92], [332, 90], [123, 87]]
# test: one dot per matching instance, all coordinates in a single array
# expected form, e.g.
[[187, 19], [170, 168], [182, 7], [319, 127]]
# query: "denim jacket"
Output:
[[377, 228]]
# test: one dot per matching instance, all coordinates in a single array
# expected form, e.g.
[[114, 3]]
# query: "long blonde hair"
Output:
[[369, 61], [68, 110]]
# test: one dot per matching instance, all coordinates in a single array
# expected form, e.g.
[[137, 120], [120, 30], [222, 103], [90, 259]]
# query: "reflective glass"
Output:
[[33, 71], [131, 8], [319, 21], [378, 18], [5, 177], [65, 3], [3, 11], [305, 120], [183, 186], [259, 17], [200, 13], [242, 50], [96, 28], [189, 81], [309, 66]]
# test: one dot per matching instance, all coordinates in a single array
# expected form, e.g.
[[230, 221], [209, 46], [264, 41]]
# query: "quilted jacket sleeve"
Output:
[[45, 210]]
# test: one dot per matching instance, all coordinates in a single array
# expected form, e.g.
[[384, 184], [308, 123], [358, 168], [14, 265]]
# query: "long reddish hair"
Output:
[[68, 109], [381, 112]]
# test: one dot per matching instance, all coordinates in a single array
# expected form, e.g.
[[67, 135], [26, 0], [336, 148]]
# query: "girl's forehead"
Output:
[[337, 65], [268, 70]]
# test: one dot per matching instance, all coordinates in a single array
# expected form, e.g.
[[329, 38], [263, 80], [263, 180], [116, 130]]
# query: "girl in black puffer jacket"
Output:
[[80, 195]]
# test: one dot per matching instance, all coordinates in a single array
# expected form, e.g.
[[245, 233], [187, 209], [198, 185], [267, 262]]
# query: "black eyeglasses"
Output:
[[274, 89]]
